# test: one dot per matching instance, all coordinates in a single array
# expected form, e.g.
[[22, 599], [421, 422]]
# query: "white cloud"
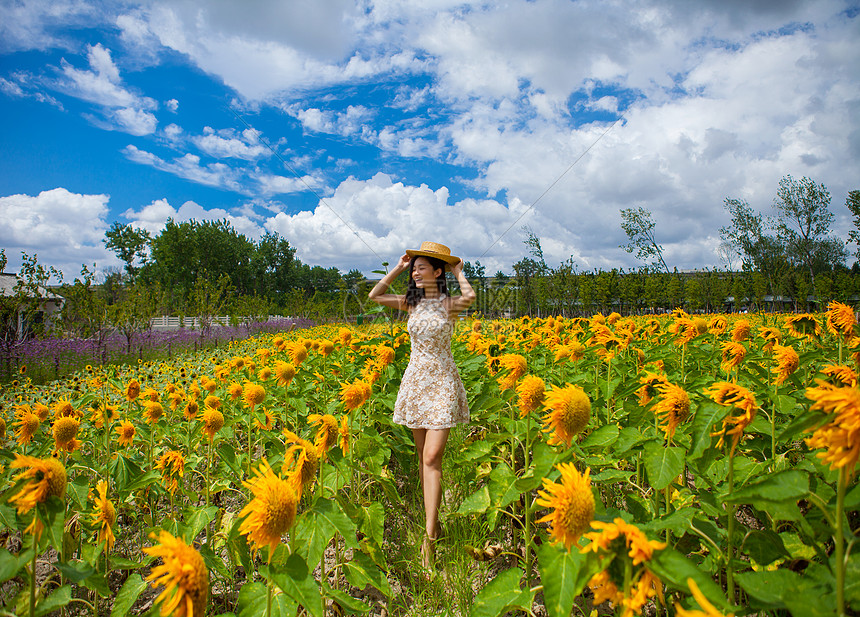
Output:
[[64, 229], [154, 216], [189, 167], [40, 24], [172, 105], [226, 144], [124, 110]]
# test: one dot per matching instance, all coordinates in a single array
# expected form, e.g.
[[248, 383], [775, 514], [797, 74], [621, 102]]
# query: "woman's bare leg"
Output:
[[430, 444]]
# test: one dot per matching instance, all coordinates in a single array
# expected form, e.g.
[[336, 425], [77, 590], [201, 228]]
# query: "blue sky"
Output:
[[419, 120]]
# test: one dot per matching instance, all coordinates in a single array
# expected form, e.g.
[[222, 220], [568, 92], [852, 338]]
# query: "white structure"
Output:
[[49, 303]]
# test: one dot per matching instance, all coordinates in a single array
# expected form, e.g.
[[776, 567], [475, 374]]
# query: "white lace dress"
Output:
[[431, 393]]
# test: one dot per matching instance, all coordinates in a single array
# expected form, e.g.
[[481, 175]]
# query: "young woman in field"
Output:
[[431, 399]]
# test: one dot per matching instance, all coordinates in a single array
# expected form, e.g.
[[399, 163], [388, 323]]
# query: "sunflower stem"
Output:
[[730, 573], [527, 539], [839, 541], [208, 463], [33, 574]]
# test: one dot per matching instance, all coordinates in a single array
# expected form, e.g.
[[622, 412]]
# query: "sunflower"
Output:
[[840, 433], [710, 609], [253, 394], [771, 336], [42, 411], [213, 421], [212, 402], [787, 361], [269, 420], [152, 410], [27, 423], [264, 353], [737, 397], [172, 466], [297, 351], [126, 433], [803, 325], [271, 512], [623, 548], [265, 374], [343, 431], [64, 408], [649, 382], [301, 461], [234, 390], [531, 394], [840, 319], [569, 412], [839, 374], [104, 516], [183, 575], [685, 330], [385, 355], [2, 428], [741, 330], [355, 394], [572, 502], [65, 429], [344, 335], [515, 367], [132, 390], [326, 435], [326, 347], [43, 478], [284, 373], [672, 408], [733, 354], [191, 409]]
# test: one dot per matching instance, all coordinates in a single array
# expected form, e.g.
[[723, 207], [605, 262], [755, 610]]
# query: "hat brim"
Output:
[[448, 259]]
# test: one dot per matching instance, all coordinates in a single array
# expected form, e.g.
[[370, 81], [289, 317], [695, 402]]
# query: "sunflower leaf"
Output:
[[564, 574], [663, 464], [499, 595], [127, 596]]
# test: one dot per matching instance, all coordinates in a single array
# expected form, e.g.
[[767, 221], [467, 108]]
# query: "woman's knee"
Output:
[[432, 456]]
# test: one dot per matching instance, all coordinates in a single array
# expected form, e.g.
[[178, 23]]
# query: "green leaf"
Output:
[[350, 605], [195, 520], [10, 565], [628, 438], [502, 485], [674, 569], [253, 599], [787, 485], [764, 547], [477, 502], [75, 571], [500, 594], [297, 582], [564, 574], [601, 438], [127, 596], [707, 414], [60, 598], [361, 571], [663, 464]]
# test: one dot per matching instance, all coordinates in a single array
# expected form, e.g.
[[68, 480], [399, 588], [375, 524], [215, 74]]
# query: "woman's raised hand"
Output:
[[403, 264], [457, 267]]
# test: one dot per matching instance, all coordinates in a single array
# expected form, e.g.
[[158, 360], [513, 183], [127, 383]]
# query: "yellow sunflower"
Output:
[[271, 512], [301, 461], [65, 430], [183, 575], [787, 362], [515, 367], [327, 432], [531, 394], [213, 421], [27, 423], [132, 390], [839, 374], [733, 354], [569, 412], [741, 330], [572, 502], [152, 410], [672, 408], [343, 431], [355, 394], [42, 478], [840, 434], [284, 373], [254, 394], [803, 325], [126, 433], [736, 397], [172, 466], [840, 319], [104, 516]]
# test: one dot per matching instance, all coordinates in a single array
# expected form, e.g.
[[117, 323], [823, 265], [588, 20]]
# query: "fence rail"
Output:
[[169, 322]]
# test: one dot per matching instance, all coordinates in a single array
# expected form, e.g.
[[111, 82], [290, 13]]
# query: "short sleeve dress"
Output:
[[431, 392]]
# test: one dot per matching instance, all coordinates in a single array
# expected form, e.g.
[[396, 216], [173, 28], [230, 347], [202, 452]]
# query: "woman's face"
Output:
[[423, 273]]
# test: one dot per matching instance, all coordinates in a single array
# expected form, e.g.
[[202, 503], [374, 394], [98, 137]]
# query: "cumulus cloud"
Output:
[[189, 167], [227, 144], [64, 229], [153, 217], [124, 110]]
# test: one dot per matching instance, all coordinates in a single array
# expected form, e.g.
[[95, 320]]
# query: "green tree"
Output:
[[852, 202], [132, 314], [129, 244], [87, 308], [639, 227], [209, 299], [804, 220]]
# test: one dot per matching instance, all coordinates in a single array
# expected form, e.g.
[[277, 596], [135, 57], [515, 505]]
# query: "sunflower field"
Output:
[[657, 465]]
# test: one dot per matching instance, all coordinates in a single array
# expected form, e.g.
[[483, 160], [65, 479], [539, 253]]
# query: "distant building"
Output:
[[49, 304]]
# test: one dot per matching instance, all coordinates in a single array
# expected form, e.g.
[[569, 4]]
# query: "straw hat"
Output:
[[434, 249]]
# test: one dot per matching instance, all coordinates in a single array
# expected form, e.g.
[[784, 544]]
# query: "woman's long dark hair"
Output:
[[414, 294]]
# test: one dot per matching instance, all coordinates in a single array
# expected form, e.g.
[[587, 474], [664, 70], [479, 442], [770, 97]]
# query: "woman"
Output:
[[432, 398]]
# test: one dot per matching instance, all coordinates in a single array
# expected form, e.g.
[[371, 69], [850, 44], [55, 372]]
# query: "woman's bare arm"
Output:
[[467, 294], [377, 294]]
